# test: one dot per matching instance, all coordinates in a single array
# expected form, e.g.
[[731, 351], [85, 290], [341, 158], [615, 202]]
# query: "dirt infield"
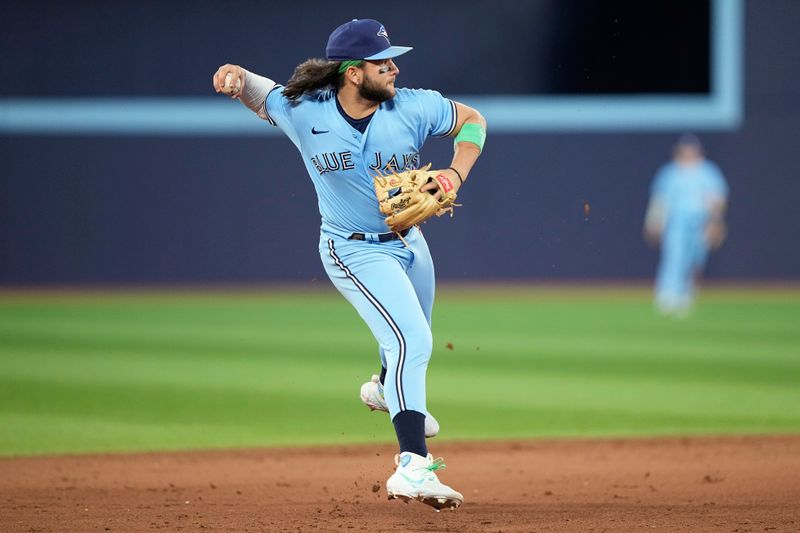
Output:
[[732, 484]]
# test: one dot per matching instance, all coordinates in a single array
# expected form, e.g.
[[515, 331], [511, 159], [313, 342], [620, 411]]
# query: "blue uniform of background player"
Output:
[[349, 123], [687, 202]]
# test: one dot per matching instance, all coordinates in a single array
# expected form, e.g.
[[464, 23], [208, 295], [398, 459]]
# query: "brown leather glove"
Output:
[[405, 205]]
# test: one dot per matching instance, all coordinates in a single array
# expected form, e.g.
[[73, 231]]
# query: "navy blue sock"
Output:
[[410, 429], [383, 375]]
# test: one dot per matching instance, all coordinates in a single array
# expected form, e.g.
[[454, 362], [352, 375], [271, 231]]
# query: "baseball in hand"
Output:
[[229, 88]]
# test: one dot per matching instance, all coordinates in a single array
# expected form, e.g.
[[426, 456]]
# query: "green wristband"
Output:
[[471, 133]]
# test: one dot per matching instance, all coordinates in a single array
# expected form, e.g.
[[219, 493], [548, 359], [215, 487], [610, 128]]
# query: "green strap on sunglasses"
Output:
[[344, 65]]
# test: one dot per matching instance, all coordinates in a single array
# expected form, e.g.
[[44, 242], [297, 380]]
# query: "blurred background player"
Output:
[[685, 215]]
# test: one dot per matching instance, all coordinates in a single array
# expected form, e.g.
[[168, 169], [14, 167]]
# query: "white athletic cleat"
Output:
[[372, 396], [415, 479]]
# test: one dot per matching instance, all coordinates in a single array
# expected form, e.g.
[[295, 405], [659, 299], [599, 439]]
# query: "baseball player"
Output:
[[350, 123], [688, 199]]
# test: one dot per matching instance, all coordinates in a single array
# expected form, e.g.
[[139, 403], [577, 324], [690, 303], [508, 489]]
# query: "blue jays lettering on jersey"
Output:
[[342, 161]]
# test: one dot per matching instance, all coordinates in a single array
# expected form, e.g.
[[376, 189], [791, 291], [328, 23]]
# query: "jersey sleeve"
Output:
[[278, 111], [439, 114], [717, 183], [658, 189]]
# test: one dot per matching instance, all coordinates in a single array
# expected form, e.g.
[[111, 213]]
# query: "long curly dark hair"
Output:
[[312, 75]]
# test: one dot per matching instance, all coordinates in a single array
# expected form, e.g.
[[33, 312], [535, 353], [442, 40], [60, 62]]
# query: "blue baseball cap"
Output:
[[689, 140], [361, 39]]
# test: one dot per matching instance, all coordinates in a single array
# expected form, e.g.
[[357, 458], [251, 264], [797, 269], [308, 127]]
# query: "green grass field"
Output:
[[119, 371]]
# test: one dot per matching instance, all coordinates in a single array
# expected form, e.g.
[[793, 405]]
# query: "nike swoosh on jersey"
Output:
[[315, 131]]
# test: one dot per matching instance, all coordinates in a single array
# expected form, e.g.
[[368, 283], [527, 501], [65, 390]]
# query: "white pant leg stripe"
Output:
[[385, 314]]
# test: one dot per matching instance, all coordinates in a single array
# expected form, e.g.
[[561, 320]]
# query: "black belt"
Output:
[[382, 237]]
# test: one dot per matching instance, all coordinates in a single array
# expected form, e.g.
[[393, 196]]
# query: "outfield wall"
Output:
[[171, 207]]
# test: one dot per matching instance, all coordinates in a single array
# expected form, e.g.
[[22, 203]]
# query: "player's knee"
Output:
[[420, 345]]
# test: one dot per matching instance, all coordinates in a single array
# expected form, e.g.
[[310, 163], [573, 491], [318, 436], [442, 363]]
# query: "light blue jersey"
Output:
[[342, 161], [687, 192], [390, 282]]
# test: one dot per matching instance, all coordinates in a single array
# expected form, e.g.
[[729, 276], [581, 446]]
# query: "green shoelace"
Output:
[[437, 464]]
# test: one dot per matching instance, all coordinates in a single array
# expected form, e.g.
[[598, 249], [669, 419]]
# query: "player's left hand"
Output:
[[715, 233], [436, 189], [413, 199]]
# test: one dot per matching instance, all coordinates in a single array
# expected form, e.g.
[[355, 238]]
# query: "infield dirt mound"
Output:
[[732, 484]]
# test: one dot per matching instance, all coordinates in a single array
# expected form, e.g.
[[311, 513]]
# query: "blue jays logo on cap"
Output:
[[362, 39], [382, 33]]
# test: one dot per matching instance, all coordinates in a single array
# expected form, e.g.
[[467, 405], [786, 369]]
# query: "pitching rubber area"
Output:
[[672, 484]]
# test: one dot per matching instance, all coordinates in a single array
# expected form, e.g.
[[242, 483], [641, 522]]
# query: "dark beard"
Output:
[[373, 93]]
